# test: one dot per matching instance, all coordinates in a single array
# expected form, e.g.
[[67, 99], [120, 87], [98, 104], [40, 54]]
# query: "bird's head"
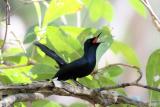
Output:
[[93, 42]]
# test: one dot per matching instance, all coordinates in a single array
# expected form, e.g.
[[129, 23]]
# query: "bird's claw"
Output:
[[80, 85]]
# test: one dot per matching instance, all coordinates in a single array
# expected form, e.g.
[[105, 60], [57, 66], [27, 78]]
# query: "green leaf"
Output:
[[16, 60], [114, 71], [91, 83], [139, 7], [72, 30], [106, 38], [108, 11], [99, 8], [60, 39], [45, 103], [105, 80], [16, 75], [59, 8], [20, 104], [15, 55], [30, 36], [38, 11], [43, 71], [1, 42], [85, 33], [127, 52], [13, 52], [153, 72]]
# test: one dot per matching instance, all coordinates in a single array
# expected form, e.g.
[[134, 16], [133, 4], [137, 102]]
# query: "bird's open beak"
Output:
[[97, 39]]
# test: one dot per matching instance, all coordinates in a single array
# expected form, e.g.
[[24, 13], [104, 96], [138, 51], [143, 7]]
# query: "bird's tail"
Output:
[[51, 54]]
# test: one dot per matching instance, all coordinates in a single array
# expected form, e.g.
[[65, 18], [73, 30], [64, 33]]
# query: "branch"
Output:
[[121, 64], [19, 42], [123, 85], [155, 18], [7, 23], [30, 62], [20, 97], [46, 88]]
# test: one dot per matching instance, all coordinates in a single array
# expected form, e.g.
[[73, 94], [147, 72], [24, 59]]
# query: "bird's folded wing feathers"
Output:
[[73, 67]]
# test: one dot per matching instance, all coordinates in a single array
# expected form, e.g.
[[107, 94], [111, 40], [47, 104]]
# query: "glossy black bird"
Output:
[[78, 68]]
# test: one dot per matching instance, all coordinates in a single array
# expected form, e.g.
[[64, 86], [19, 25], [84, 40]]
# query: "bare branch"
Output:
[[123, 85], [7, 23], [46, 88], [155, 18], [20, 97]]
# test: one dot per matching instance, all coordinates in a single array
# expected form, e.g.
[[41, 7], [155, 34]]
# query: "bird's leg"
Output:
[[79, 84]]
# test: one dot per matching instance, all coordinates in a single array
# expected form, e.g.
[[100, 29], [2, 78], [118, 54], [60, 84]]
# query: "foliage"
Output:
[[68, 41], [153, 74], [139, 7]]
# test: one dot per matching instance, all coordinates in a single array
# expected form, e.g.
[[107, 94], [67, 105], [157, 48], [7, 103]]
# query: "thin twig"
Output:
[[121, 64], [155, 18], [8, 101], [123, 85], [19, 42], [18, 66], [7, 23]]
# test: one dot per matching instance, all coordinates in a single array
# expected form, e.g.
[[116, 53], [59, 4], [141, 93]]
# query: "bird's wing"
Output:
[[72, 68], [51, 54]]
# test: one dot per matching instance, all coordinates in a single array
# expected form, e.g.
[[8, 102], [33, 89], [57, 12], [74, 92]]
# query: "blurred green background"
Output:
[[63, 25]]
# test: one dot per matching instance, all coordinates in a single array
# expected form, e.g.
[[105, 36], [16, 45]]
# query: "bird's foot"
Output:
[[80, 85]]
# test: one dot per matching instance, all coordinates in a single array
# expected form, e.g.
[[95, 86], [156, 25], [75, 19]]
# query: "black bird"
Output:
[[78, 68]]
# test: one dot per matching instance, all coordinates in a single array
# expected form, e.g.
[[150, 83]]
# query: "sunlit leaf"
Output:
[[12, 52], [38, 11], [30, 36], [15, 55], [43, 71], [59, 39], [45, 103], [1, 42], [16, 75], [91, 83], [85, 33], [58, 8], [106, 39], [127, 52], [139, 7], [89, 77], [108, 11], [20, 104], [99, 9], [153, 73], [72, 30], [114, 71]]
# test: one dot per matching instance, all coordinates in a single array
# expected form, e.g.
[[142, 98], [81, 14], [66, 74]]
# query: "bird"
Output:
[[78, 68]]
